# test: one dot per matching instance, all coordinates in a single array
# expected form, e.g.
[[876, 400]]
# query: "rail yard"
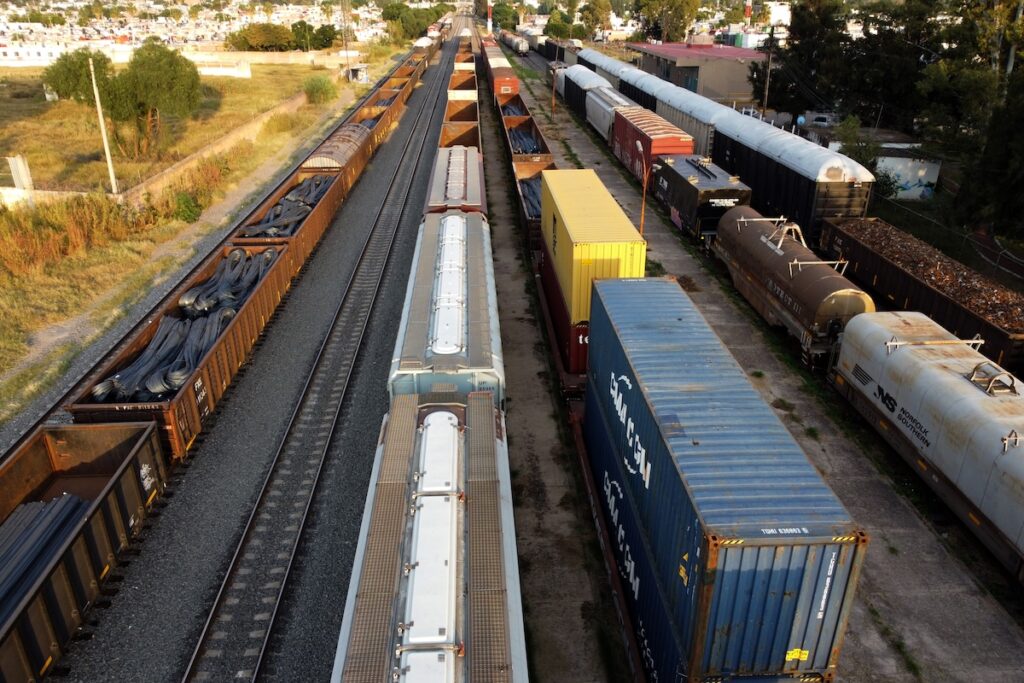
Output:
[[422, 414]]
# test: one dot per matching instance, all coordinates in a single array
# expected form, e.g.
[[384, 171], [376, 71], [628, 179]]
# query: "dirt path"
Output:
[[168, 256], [571, 627], [920, 614]]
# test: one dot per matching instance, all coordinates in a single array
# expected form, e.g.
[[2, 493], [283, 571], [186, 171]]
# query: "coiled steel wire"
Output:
[[523, 142], [513, 109], [285, 217], [531, 196], [180, 343]]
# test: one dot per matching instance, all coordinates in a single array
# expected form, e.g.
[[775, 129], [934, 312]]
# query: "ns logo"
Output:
[[886, 399]]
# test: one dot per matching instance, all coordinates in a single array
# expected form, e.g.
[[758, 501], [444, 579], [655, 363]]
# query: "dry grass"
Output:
[[61, 139]]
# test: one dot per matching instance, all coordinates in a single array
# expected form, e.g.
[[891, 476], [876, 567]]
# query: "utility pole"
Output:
[[768, 70], [103, 128]]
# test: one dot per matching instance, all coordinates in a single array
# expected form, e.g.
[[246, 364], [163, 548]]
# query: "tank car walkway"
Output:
[[920, 613]]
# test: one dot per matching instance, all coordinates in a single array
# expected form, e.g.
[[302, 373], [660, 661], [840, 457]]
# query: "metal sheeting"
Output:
[[727, 447], [418, 363], [338, 149], [456, 181], [919, 378], [30, 538]]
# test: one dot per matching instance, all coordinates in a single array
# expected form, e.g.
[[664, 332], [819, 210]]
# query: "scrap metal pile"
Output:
[[984, 296]]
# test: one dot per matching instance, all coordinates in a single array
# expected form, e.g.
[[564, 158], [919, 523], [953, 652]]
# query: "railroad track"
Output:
[[54, 413], [238, 628]]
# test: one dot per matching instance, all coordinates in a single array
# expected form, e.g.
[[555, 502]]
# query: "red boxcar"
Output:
[[655, 135], [572, 340]]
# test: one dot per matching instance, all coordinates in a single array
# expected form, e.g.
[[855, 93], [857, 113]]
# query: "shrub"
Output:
[[279, 123], [319, 89], [186, 207]]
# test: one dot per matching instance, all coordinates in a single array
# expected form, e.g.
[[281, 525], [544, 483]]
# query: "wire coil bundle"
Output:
[[531, 196], [180, 343], [523, 142], [285, 217]]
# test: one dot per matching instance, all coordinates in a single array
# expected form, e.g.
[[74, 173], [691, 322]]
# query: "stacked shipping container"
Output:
[[748, 551], [586, 237]]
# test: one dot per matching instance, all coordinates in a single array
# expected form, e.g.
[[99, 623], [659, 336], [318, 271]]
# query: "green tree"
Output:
[[668, 20], [571, 6], [302, 36], [394, 11], [158, 82], [69, 75], [994, 196], [596, 15], [811, 71], [261, 38], [323, 37], [734, 15], [194, 11], [504, 16]]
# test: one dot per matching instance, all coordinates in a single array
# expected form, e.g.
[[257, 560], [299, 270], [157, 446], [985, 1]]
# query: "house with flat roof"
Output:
[[718, 72]]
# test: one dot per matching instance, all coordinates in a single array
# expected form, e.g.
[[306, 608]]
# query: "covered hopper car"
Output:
[[786, 282], [954, 416]]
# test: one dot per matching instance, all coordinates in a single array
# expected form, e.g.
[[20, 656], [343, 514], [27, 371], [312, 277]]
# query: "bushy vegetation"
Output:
[[157, 82], [406, 23], [276, 38], [36, 237], [319, 89]]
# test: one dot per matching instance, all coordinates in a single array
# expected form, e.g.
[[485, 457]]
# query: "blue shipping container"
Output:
[[757, 557], [656, 634]]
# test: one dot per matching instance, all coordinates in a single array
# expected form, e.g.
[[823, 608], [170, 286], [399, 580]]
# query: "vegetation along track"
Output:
[[238, 628], [53, 412]]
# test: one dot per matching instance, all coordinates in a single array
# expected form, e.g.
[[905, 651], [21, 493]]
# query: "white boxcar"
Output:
[[953, 415], [607, 67], [602, 103], [448, 337]]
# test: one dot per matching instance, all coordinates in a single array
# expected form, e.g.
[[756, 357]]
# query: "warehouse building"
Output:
[[718, 72]]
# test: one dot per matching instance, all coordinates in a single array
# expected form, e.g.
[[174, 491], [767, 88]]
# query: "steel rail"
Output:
[[91, 374], [272, 535]]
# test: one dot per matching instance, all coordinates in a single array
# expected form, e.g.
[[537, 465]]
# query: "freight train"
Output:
[[653, 438], [789, 176], [967, 461], [76, 497], [434, 592]]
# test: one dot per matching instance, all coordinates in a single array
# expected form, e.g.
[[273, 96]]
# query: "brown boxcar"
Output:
[[511, 105], [527, 174], [379, 113], [655, 135], [120, 470], [181, 417], [895, 286], [571, 339], [462, 81]]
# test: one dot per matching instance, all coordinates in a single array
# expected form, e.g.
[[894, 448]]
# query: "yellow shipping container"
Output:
[[588, 236]]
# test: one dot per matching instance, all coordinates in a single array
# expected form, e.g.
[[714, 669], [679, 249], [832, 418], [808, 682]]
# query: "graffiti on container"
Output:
[[645, 650], [637, 463], [146, 475], [612, 495], [828, 585]]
